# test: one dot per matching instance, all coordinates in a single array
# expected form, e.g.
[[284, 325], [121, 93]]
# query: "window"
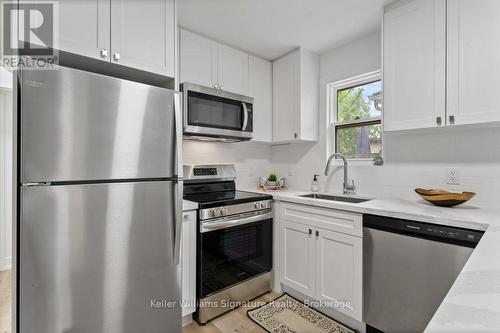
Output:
[[356, 113]]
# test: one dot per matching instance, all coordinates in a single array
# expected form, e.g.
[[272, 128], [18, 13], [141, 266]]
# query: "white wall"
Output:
[[252, 160], [411, 160], [5, 178]]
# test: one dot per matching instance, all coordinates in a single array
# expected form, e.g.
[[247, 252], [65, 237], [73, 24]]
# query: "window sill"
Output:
[[354, 161]]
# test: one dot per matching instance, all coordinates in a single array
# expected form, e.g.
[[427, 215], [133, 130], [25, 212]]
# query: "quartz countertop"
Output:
[[473, 302], [189, 205]]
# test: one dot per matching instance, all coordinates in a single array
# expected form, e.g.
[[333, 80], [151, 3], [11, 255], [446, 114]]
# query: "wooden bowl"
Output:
[[444, 198]]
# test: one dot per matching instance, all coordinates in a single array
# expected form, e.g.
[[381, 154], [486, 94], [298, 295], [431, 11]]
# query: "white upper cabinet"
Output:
[[208, 63], [232, 68], [84, 28], [198, 59], [473, 61], [414, 65], [296, 97], [441, 63], [285, 97], [142, 35], [137, 34], [260, 88]]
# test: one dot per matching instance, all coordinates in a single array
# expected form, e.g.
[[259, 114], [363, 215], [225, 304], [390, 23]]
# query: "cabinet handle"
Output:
[[116, 56], [221, 87], [438, 121], [104, 53], [310, 231], [317, 233], [216, 86], [451, 120]]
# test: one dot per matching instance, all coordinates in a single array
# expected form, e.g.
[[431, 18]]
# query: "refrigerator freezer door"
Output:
[[78, 125], [99, 258]]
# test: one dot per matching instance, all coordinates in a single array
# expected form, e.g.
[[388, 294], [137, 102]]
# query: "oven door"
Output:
[[214, 113], [232, 254]]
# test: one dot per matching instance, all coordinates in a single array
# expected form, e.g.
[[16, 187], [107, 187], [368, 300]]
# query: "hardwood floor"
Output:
[[235, 321], [5, 301]]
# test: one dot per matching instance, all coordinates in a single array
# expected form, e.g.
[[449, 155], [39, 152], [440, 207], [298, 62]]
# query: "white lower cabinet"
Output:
[[188, 262], [321, 262], [339, 271], [298, 256]]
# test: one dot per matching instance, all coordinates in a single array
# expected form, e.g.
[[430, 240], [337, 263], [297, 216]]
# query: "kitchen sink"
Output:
[[334, 198]]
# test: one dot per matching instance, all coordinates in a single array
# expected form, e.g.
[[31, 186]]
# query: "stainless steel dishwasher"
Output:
[[408, 268]]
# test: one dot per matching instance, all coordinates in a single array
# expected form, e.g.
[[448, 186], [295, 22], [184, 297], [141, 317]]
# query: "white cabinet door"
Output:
[[198, 59], [414, 65], [232, 70], [473, 61], [286, 97], [143, 34], [339, 265], [261, 89], [298, 257], [83, 27], [188, 262]]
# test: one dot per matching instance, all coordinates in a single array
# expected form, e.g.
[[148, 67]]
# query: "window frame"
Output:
[[333, 124]]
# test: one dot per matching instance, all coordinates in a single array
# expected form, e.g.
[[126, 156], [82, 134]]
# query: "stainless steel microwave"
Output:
[[215, 115]]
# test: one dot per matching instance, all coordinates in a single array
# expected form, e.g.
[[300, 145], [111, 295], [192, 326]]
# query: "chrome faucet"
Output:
[[348, 189]]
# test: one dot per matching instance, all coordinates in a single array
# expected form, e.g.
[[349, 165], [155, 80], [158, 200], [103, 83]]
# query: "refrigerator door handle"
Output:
[[178, 135], [177, 221]]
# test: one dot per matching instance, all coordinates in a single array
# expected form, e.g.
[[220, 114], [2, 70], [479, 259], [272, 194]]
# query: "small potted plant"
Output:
[[272, 179]]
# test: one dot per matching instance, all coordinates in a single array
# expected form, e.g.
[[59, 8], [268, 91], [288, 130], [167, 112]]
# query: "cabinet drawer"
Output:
[[334, 220]]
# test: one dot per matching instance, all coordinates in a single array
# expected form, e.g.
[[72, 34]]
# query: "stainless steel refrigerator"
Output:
[[100, 200]]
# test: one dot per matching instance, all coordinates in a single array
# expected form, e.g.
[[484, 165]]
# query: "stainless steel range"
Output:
[[234, 241]]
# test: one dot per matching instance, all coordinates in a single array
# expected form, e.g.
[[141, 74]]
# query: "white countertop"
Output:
[[189, 205], [473, 302]]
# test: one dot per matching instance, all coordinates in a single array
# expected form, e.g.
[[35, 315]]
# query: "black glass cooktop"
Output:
[[219, 194]]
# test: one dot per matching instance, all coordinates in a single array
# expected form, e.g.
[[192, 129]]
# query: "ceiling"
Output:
[[271, 28]]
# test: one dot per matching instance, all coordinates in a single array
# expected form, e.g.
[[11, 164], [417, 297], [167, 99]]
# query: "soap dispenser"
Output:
[[315, 184]]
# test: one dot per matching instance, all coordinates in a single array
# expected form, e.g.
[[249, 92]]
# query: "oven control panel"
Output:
[[205, 171], [210, 213], [199, 173]]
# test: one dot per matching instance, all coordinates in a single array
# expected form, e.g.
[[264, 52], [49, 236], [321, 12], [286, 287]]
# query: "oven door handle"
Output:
[[231, 222], [245, 116]]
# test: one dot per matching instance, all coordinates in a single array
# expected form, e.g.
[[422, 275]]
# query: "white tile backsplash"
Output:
[[252, 160], [412, 160]]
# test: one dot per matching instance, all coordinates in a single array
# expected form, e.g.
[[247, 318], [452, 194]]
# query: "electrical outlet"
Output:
[[453, 176]]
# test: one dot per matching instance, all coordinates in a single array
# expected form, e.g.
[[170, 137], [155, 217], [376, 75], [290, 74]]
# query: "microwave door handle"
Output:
[[245, 116]]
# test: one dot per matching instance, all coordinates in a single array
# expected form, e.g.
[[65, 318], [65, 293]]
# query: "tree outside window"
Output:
[[356, 114]]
